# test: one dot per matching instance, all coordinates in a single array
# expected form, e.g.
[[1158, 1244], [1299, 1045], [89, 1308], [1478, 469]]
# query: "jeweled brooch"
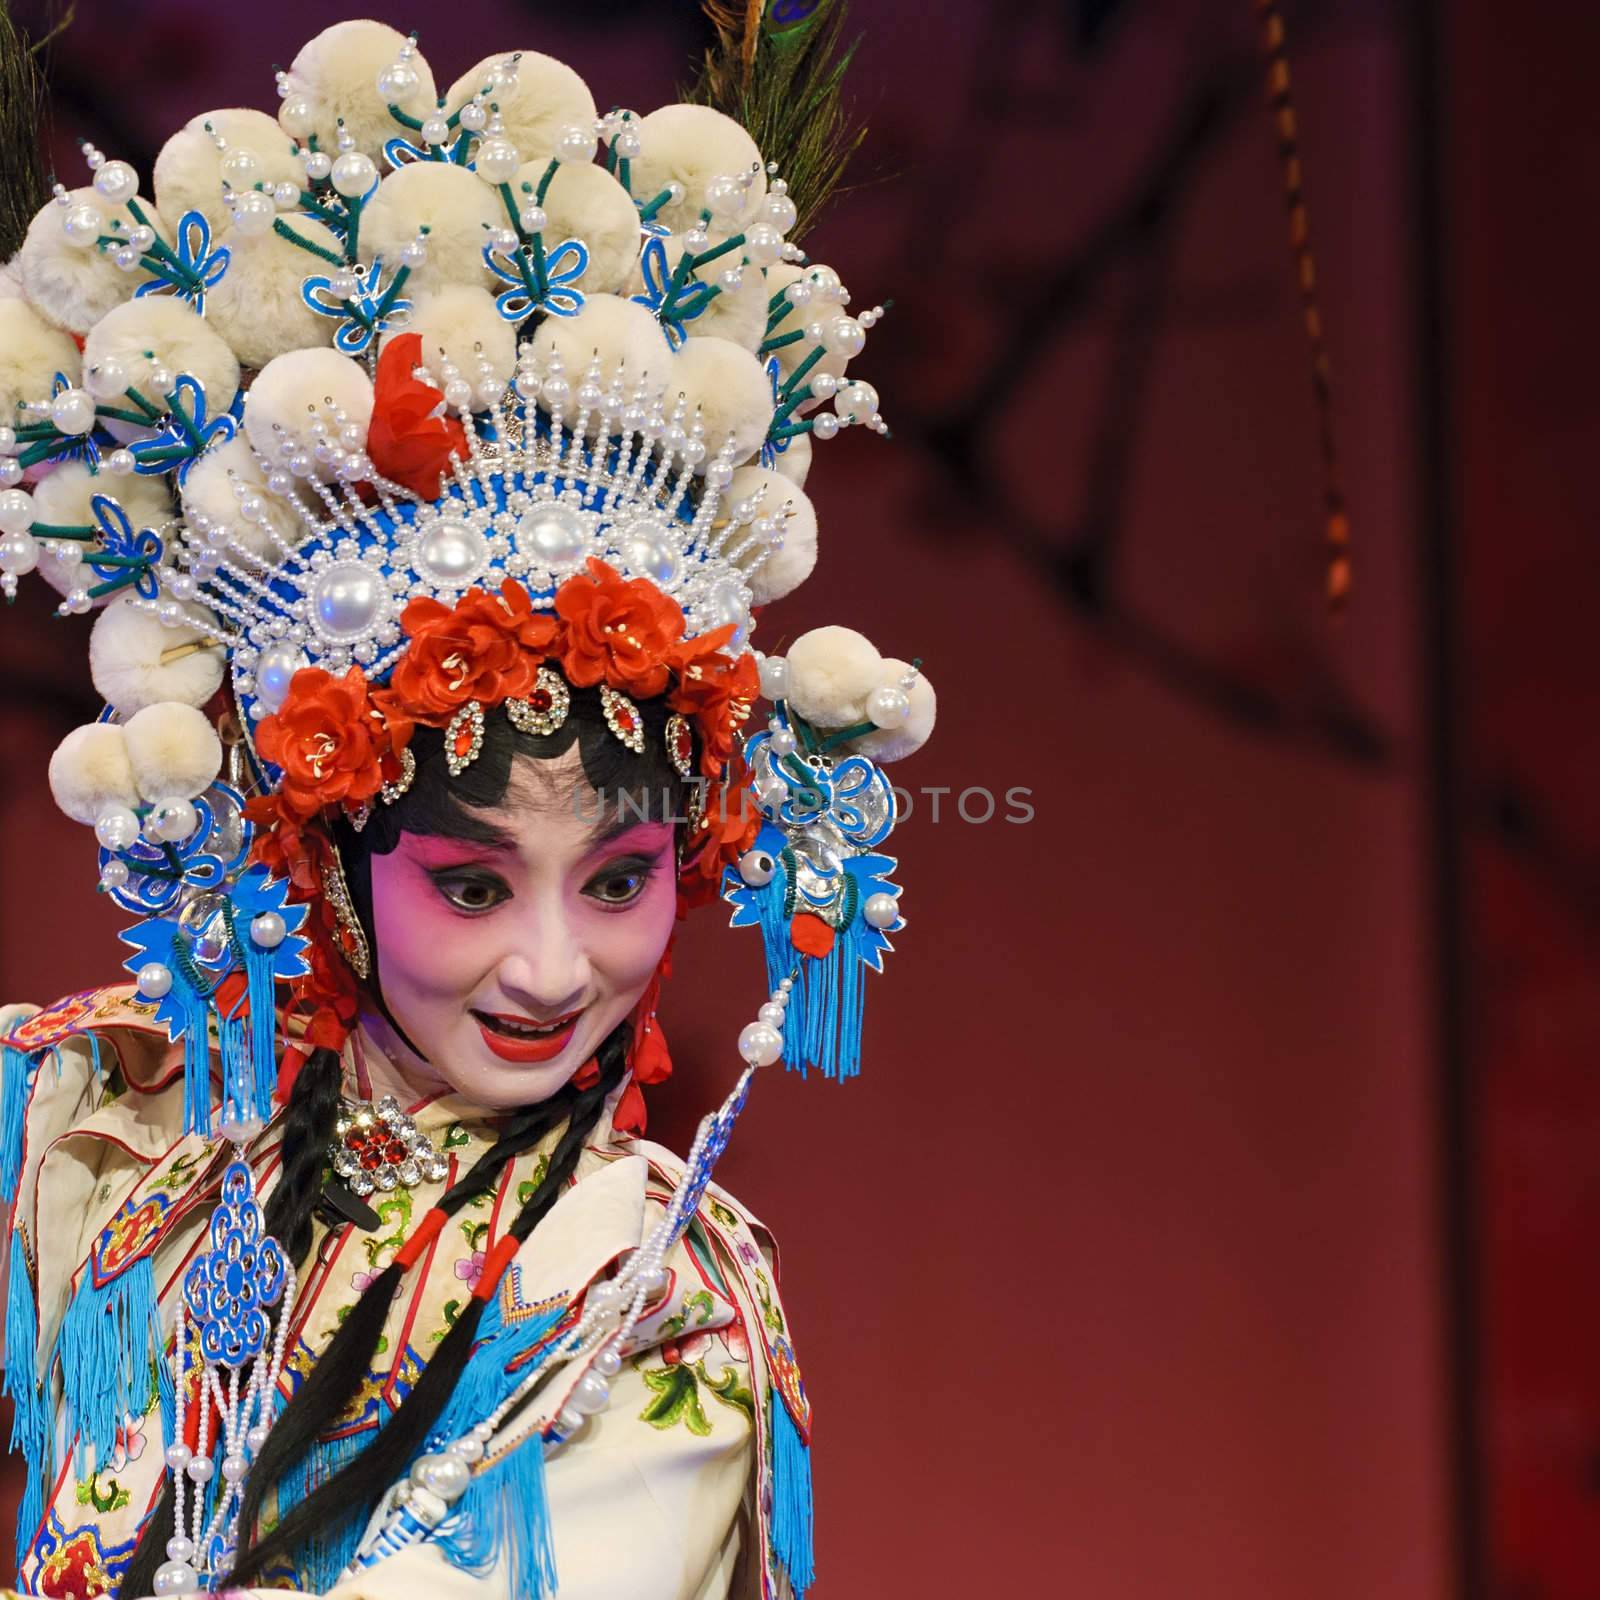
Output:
[[380, 1147]]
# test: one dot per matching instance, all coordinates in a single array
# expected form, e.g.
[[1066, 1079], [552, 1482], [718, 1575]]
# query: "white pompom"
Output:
[[585, 202], [32, 352], [257, 307], [188, 173], [621, 332], [461, 324], [795, 462], [831, 673], [737, 314], [161, 331], [126, 647], [730, 388], [337, 75], [90, 772], [71, 286], [455, 205], [295, 391], [894, 744], [691, 145], [791, 562], [65, 496], [546, 97], [174, 751], [213, 490]]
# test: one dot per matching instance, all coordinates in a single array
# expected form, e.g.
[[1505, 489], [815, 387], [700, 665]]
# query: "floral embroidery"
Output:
[[677, 1384], [722, 1214], [184, 1170], [469, 1271], [770, 1314]]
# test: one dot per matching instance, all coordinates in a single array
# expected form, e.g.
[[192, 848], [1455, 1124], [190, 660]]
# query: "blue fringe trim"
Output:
[[193, 1011], [823, 1025], [30, 1422], [320, 1560], [261, 997], [791, 1498], [505, 1508], [110, 1339], [18, 1072]]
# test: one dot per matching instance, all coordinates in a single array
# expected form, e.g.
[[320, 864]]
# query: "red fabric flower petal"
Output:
[[406, 440]]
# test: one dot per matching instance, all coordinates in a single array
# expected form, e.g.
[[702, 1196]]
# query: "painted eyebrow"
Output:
[[603, 833]]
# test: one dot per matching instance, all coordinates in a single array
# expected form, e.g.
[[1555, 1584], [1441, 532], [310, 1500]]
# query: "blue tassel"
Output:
[[194, 1015], [261, 997], [30, 1425], [14, 1086], [332, 1548], [791, 1498], [505, 1508], [109, 1339]]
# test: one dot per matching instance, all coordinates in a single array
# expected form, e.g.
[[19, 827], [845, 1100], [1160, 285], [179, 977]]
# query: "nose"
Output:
[[546, 969]]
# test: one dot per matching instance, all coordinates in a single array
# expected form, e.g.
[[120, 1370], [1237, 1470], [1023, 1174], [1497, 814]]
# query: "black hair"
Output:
[[628, 785]]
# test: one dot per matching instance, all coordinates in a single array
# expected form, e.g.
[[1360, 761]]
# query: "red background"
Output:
[[1208, 1217]]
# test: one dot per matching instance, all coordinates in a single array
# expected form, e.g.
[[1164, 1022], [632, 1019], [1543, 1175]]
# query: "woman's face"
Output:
[[506, 964]]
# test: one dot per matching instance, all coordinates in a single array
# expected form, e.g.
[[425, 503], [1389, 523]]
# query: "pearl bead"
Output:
[[824, 425], [763, 244], [888, 706], [844, 336], [435, 130], [756, 867], [275, 670], [760, 1044], [772, 1014], [114, 873], [155, 980], [473, 117], [116, 180], [569, 1420], [170, 821], [19, 553], [178, 1456], [253, 213], [725, 196], [608, 1363], [348, 599], [234, 1469], [83, 225], [16, 511], [780, 211], [254, 1439], [654, 1280], [458, 394], [179, 1548], [575, 143], [117, 828], [240, 1130], [107, 378], [444, 1475], [628, 143], [268, 930], [468, 1449], [497, 160], [396, 82], [72, 411], [591, 1394], [774, 672], [120, 463], [552, 533], [200, 1468], [881, 910], [783, 742], [533, 219], [296, 117], [176, 1577], [353, 174]]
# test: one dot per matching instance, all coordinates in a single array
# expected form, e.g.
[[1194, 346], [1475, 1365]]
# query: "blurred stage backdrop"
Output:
[[1216, 1214]]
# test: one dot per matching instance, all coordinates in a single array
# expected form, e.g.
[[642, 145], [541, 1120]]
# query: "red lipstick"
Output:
[[521, 1039]]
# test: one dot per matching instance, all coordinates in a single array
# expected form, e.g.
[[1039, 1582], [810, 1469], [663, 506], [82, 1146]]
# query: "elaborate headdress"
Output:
[[418, 408]]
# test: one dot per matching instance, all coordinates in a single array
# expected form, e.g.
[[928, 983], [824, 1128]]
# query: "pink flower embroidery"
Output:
[[749, 1254], [361, 1281], [128, 1446], [470, 1271]]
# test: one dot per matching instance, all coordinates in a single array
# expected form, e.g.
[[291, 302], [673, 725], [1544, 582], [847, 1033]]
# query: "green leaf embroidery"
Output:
[[452, 1310], [474, 1233], [455, 1137], [528, 1185], [729, 1389], [727, 1218], [113, 1498], [676, 1399]]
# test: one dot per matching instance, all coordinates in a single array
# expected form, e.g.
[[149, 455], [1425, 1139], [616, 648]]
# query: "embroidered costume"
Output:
[[413, 409]]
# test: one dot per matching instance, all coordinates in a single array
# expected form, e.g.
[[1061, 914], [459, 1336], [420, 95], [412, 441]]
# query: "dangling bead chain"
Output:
[[611, 1310]]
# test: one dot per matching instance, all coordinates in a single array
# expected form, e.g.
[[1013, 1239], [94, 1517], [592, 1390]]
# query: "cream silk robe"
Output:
[[661, 1497]]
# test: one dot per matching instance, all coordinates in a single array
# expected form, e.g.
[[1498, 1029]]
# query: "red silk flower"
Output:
[[617, 630], [329, 739], [487, 648], [406, 441]]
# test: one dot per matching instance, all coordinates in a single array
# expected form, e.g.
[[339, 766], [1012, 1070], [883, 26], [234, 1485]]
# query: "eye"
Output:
[[472, 892], [621, 883]]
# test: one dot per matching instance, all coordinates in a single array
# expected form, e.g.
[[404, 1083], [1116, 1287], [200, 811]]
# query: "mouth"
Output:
[[514, 1038]]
